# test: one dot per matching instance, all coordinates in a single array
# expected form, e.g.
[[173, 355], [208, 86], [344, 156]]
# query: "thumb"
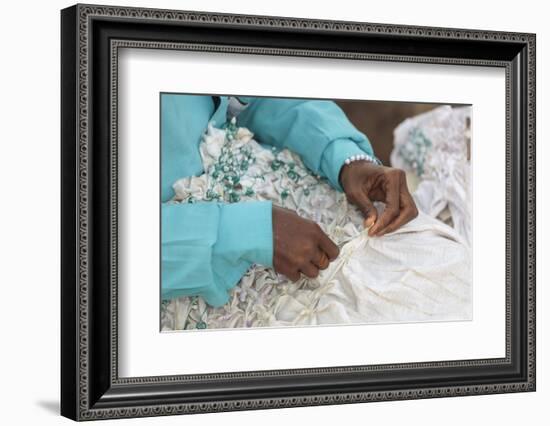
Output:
[[366, 206]]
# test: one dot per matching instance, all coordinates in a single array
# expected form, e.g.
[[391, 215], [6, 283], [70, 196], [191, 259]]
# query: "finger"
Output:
[[287, 269], [405, 216], [309, 270], [321, 260], [391, 211], [326, 244], [293, 275], [363, 202], [408, 211]]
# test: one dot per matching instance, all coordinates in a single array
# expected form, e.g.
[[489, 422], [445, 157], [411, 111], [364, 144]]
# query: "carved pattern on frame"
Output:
[[86, 12], [115, 46]]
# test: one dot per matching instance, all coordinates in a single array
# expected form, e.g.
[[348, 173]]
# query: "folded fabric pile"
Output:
[[421, 272], [433, 148]]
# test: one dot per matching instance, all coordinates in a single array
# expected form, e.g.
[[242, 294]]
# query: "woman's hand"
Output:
[[365, 182], [299, 245]]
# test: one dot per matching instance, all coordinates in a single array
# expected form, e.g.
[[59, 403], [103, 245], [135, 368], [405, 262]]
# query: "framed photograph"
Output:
[[263, 212]]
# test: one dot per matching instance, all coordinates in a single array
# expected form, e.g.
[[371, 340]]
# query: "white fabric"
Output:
[[421, 272], [434, 146]]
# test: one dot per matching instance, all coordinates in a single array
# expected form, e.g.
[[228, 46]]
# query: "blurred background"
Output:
[[377, 119]]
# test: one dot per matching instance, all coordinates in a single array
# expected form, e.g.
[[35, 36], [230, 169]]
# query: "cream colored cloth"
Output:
[[421, 272], [434, 147]]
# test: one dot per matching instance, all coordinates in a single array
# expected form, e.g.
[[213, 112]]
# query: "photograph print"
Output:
[[280, 212]]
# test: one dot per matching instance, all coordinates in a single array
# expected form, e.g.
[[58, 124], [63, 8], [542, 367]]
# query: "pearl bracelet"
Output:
[[364, 157]]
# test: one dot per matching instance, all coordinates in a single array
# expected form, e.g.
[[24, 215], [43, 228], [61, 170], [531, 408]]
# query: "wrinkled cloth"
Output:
[[206, 244], [434, 147], [421, 272]]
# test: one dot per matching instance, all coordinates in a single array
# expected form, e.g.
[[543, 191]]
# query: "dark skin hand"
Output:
[[365, 182], [299, 245]]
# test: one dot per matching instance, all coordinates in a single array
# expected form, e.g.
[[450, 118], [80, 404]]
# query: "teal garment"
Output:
[[183, 121], [317, 130], [206, 247]]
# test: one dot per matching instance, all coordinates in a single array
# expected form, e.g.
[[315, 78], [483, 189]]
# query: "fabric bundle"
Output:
[[433, 147], [421, 272]]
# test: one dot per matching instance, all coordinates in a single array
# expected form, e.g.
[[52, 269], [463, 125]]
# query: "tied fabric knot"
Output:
[[372, 280]]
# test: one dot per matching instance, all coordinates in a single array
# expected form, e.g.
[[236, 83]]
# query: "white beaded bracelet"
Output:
[[364, 157]]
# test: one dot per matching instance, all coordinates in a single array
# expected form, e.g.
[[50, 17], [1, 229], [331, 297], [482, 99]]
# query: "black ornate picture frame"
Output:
[[90, 385]]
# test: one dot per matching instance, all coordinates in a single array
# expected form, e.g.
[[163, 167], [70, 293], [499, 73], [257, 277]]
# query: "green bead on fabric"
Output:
[[293, 175], [414, 152], [234, 197], [285, 194], [276, 165]]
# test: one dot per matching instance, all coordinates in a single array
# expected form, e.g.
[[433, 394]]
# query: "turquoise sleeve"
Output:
[[183, 121], [317, 130], [207, 247], [334, 158]]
